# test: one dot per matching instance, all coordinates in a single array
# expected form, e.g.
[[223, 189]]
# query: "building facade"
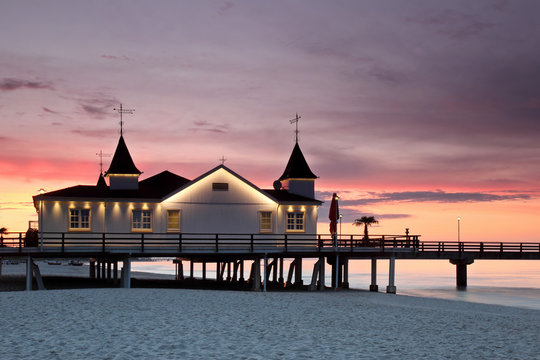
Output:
[[217, 202]]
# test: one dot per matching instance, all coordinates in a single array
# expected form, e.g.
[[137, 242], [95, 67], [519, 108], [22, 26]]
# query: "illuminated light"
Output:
[[290, 208], [124, 175], [303, 208], [41, 191]]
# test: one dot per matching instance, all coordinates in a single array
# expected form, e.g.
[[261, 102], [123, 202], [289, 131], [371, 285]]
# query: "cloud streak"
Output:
[[9, 84], [438, 196]]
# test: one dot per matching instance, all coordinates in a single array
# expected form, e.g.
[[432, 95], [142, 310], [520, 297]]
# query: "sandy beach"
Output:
[[203, 324]]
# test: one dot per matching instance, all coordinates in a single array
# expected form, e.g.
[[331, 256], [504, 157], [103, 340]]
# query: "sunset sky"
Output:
[[415, 112]]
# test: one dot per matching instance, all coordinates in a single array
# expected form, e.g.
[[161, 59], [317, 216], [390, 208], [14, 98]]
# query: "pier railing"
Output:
[[478, 247], [189, 242]]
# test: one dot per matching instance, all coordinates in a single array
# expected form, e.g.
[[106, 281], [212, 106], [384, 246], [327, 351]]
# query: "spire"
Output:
[[297, 167], [122, 163]]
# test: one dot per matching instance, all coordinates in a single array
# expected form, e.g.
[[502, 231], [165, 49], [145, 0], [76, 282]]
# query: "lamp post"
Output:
[[41, 192], [458, 229]]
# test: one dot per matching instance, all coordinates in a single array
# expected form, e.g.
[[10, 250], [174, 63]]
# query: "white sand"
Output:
[[204, 324]]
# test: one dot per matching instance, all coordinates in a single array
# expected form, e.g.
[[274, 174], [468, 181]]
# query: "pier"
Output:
[[239, 257]]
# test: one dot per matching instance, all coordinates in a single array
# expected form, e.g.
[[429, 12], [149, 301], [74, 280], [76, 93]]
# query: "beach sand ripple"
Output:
[[196, 324]]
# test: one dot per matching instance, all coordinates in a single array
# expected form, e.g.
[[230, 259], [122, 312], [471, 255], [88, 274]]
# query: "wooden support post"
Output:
[[220, 269], [281, 280], [115, 271], [256, 270], [391, 288], [37, 275], [314, 275], [271, 267], [298, 272], [335, 272], [126, 273], [274, 269], [204, 270], [191, 268], [28, 273], [98, 269], [242, 271], [180, 275], [345, 283], [235, 271], [373, 286], [292, 267], [461, 272], [109, 273], [92, 268], [103, 270], [265, 271], [321, 284]]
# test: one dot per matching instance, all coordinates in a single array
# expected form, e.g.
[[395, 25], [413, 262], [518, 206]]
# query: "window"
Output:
[[142, 220], [295, 221], [79, 219], [265, 221], [220, 186], [173, 220]]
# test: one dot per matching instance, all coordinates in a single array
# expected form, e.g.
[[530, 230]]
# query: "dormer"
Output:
[[123, 174], [298, 177]]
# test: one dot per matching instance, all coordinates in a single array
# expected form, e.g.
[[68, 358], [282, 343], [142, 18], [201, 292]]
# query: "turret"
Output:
[[123, 174], [298, 177]]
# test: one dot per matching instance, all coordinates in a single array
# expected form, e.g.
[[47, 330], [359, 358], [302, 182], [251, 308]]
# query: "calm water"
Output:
[[500, 282]]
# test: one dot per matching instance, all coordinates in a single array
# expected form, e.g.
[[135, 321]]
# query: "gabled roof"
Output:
[[278, 196], [122, 163], [153, 188], [297, 167]]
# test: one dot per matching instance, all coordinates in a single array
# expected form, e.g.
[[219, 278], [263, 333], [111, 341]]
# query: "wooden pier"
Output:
[[230, 252]]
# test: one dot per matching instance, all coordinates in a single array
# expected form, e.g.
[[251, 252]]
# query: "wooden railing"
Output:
[[182, 242], [478, 247]]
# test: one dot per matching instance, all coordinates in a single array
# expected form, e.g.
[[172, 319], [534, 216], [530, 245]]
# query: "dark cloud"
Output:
[[454, 24], [49, 110], [113, 57], [8, 84], [100, 106], [201, 125], [226, 7], [433, 196], [386, 75]]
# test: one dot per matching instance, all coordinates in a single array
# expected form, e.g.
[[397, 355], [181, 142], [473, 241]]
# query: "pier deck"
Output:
[[109, 248]]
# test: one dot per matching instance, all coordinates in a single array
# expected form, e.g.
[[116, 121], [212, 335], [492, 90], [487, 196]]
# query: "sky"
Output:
[[414, 112]]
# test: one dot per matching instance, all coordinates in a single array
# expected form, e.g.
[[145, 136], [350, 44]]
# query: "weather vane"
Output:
[[222, 160], [295, 120], [101, 155], [122, 111]]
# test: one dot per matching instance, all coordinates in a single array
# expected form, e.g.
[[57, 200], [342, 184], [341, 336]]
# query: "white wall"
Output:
[[203, 210]]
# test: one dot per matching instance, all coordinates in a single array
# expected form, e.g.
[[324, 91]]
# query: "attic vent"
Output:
[[220, 186]]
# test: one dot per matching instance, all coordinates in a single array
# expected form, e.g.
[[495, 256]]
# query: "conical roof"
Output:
[[101, 184], [122, 163], [297, 167]]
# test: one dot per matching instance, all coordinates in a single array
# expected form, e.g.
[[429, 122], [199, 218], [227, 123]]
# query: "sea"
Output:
[[500, 282]]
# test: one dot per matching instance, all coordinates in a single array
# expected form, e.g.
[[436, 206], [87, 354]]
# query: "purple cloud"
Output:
[[433, 196], [8, 84]]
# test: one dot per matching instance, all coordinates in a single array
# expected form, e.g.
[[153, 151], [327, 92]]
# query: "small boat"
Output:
[[55, 262], [75, 262]]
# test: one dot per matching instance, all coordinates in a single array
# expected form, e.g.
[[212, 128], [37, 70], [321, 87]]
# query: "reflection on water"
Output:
[[501, 282]]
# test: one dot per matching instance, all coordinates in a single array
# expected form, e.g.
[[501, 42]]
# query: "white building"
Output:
[[217, 202]]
